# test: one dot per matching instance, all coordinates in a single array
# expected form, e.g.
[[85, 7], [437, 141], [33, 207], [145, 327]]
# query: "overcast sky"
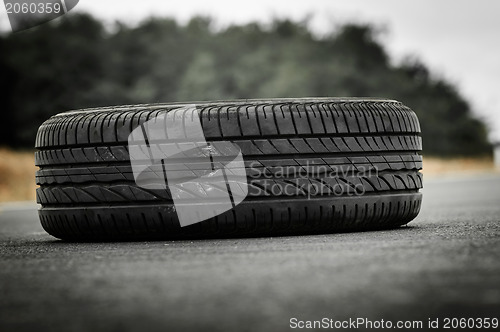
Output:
[[458, 39]]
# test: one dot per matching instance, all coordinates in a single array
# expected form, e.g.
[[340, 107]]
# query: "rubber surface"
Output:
[[362, 155]]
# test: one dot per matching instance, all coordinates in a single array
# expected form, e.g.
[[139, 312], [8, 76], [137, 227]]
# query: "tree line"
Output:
[[77, 62]]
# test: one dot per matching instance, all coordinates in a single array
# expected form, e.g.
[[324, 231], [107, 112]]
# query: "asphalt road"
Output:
[[446, 263]]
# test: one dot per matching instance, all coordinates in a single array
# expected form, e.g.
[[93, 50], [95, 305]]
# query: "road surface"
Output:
[[446, 263]]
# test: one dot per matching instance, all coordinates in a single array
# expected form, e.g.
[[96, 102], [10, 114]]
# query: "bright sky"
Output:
[[458, 39]]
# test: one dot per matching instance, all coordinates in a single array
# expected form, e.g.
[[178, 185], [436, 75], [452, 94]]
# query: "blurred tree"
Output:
[[75, 62], [51, 68], [201, 80]]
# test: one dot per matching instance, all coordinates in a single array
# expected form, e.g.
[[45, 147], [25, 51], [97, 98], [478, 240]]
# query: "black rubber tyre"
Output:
[[87, 189]]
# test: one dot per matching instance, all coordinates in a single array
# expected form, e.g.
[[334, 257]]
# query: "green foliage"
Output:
[[77, 63]]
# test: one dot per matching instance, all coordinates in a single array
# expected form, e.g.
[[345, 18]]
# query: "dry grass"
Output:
[[439, 166], [17, 176], [17, 172]]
